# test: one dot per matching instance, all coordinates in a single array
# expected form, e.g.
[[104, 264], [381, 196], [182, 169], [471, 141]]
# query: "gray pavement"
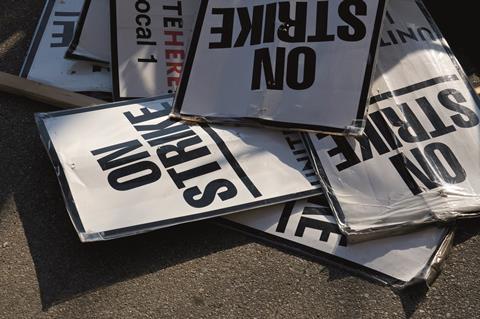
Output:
[[196, 270]]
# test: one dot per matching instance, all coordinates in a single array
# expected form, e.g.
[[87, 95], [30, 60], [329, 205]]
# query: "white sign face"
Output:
[[126, 168], [149, 40], [291, 64], [419, 158], [308, 226], [45, 61], [92, 35]]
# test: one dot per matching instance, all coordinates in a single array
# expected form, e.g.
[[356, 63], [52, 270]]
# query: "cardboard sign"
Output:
[[308, 226], [419, 158], [302, 65], [45, 61], [92, 35], [150, 40], [126, 168]]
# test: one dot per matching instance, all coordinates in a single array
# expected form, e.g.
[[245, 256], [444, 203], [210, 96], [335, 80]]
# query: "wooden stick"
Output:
[[44, 93]]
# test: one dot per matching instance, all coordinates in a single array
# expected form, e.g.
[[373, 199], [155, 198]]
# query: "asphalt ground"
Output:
[[197, 270]]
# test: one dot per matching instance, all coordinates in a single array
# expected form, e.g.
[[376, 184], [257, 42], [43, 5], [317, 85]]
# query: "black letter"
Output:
[[147, 114], [371, 137], [325, 227], [450, 158], [146, 6], [270, 20], [153, 176], [274, 81], [434, 118], [359, 29], [309, 65], [112, 160], [321, 29], [444, 98], [344, 148], [177, 8], [386, 131], [181, 155], [404, 35], [152, 59], [226, 30], [421, 31], [411, 123], [179, 178], [210, 192], [248, 26], [299, 24], [144, 17], [405, 167]]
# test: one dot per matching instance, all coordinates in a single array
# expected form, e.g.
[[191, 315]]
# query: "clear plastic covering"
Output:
[[126, 168], [418, 160]]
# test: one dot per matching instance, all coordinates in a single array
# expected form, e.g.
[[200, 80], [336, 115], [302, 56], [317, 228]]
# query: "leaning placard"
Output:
[[149, 42], [308, 227], [45, 60], [91, 41], [126, 168], [419, 158], [302, 65]]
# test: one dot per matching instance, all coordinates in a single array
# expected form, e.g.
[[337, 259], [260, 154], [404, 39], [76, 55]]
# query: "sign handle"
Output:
[[44, 93]]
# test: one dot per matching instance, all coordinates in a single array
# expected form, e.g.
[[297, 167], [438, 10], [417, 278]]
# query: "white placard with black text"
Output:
[[126, 168], [291, 64], [91, 41], [308, 226], [419, 158], [45, 60], [149, 41]]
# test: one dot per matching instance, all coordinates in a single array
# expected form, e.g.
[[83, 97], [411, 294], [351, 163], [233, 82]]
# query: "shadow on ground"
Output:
[[65, 267]]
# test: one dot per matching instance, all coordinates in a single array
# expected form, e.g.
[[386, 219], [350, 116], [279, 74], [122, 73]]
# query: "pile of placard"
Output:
[[344, 129]]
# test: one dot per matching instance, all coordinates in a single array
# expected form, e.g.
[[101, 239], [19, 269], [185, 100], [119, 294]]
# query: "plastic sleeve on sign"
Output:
[[356, 129]]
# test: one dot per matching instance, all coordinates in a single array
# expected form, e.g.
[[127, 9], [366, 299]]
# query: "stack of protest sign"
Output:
[[344, 130]]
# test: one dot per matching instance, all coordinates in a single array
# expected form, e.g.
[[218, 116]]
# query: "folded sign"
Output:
[[419, 159], [295, 64]]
